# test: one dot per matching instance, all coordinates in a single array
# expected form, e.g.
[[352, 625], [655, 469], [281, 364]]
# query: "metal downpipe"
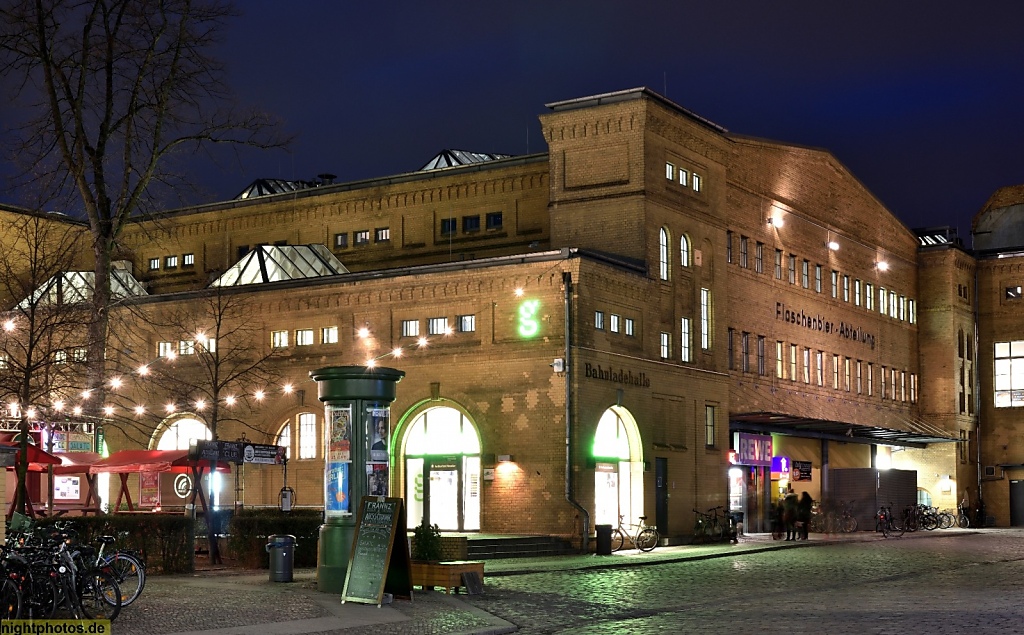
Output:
[[570, 494]]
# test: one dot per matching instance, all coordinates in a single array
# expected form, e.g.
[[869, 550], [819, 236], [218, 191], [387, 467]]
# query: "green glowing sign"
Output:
[[529, 325]]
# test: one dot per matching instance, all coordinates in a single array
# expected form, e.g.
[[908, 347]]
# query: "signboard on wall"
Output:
[[753, 449], [800, 471], [149, 489]]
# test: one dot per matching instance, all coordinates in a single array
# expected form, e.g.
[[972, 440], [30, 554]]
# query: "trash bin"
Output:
[[604, 539], [736, 524], [282, 557]]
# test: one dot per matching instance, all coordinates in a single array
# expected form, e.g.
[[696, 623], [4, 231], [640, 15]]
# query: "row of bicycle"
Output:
[[918, 517], [49, 571]]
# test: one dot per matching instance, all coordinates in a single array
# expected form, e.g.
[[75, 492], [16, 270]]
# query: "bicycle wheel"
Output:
[[848, 524], [930, 522], [130, 575], [716, 532], [647, 539], [963, 521], [40, 595], [10, 600], [99, 596], [618, 539], [946, 520]]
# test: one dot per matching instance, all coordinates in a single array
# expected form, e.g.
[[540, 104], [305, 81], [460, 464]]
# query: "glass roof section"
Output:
[[452, 158], [272, 263], [264, 187], [76, 287]]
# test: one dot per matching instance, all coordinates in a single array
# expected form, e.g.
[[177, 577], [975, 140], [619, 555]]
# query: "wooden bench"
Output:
[[447, 574]]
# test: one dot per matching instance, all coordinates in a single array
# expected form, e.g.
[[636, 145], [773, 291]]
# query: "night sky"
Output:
[[923, 101]]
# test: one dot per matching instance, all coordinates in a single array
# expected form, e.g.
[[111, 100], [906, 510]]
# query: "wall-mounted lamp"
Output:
[[558, 365], [505, 458], [775, 221], [882, 265], [832, 243]]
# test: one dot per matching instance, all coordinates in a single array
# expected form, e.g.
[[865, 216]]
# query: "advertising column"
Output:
[[357, 415]]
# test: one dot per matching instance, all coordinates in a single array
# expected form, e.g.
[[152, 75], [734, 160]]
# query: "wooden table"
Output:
[[447, 574]]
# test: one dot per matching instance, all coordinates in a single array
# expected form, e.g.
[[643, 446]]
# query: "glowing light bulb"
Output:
[[115, 382], [139, 410], [259, 395], [287, 389], [170, 407], [519, 292], [108, 410], [77, 410], [86, 394], [882, 265], [9, 325], [421, 342], [397, 352], [229, 400], [58, 405], [363, 333], [201, 404], [143, 370], [371, 363]]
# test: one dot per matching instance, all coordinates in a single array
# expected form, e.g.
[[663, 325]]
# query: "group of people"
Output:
[[795, 514]]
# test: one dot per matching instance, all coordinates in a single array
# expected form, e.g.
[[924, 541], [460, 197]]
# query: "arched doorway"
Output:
[[619, 469], [442, 470], [179, 435]]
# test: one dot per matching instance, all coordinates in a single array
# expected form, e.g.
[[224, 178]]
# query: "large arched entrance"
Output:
[[619, 469], [179, 435], [442, 470]]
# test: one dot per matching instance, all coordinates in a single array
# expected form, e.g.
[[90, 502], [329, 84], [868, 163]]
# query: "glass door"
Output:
[[443, 497]]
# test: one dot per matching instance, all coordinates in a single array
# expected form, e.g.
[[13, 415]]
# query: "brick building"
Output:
[[632, 323]]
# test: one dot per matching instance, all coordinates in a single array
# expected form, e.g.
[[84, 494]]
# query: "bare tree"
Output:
[[117, 88], [43, 328], [218, 364]]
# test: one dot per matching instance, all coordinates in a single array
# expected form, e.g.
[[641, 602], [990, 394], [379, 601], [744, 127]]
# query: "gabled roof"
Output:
[[76, 287], [453, 158], [271, 263]]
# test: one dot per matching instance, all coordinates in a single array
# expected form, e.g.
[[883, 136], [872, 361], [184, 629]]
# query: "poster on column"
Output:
[[337, 488], [339, 445], [376, 479], [378, 421]]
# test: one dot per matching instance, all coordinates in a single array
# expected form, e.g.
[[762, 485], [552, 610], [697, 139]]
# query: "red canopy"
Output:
[[131, 461], [76, 462], [37, 459]]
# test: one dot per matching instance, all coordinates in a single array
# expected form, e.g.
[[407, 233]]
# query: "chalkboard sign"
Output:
[[378, 563]]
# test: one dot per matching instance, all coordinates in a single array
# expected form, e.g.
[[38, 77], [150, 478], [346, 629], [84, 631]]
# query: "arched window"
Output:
[[304, 435], [284, 439], [684, 251], [180, 434], [663, 254]]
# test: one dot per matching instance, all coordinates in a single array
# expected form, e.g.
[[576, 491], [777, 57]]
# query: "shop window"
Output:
[[329, 335], [304, 337]]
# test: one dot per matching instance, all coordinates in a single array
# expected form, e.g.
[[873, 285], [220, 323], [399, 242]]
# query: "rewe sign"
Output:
[[753, 449]]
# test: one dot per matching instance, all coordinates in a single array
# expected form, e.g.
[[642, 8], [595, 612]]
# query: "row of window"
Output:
[[615, 324], [847, 374], [171, 262], [439, 326], [685, 251], [362, 237], [682, 176], [860, 293]]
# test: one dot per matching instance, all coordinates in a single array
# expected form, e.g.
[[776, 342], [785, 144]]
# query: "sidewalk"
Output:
[[228, 601]]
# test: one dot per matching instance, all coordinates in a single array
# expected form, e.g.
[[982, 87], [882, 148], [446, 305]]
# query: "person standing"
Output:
[[789, 513], [804, 513]]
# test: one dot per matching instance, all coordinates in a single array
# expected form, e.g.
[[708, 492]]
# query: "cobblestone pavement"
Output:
[[928, 583], [940, 582]]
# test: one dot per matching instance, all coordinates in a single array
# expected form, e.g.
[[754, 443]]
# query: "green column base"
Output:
[[333, 553]]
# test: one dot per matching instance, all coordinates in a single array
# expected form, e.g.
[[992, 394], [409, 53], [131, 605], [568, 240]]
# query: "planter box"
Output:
[[447, 575], [452, 547]]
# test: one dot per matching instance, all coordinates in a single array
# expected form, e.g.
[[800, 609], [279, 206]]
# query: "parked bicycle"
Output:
[[885, 523], [641, 536], [710, 526]]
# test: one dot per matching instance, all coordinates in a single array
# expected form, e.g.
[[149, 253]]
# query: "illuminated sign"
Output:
[[780, 467], [529, 325], [753, 449]]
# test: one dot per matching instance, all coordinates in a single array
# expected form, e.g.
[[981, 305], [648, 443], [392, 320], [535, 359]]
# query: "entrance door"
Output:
[[443, 492], [1016, 503], [661, 494]]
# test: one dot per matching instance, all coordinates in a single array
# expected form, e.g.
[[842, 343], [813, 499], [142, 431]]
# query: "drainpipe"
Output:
[[977, 390], [570, 494]]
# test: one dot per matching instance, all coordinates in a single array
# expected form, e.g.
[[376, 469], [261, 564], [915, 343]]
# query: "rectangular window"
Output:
[[447, 226], [304, 337], [494, 221], [361, 237], [856, 292], [846, 288], [807, 365], [745, 352], [382, 235], [437, 326], [779, 363], [665, 345], [778, 264], [599, 320], [630, 332], [903, 385], [670, 172], [171, 262], [744, 241], [340, 241], [186, 347], [188, 260], [307, 436], [911, 312], [883, 301], [410, 328], [817, 278], [792, 362], [883, 391], [709, 426], [80, 354], [903, 308], [846, 374], [728, 246], [860, 386], [729, 352], [696, 182], [329, 335], [59, 357], [913, 388], [467, 323], [761, 370], [892, 304], [684, 338], [164, 349], [819, 371], [871, 379], [895, 390], [279, 339], [705, 319], [835, 284], [154, 264], [869, 296], [835, 372], [613, 323], [759, 258], [684, 177], [470, 224], [805, 274], [792, 269]]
